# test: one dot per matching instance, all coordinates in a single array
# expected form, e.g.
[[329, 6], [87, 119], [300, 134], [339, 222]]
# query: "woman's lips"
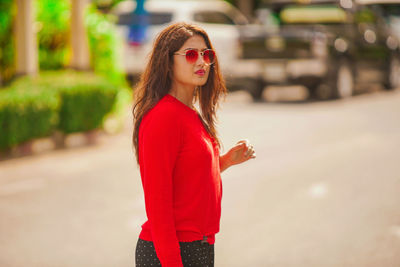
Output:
[[200, 72]]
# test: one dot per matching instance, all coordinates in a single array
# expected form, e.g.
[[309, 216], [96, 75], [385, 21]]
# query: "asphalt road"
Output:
[[323, 191]]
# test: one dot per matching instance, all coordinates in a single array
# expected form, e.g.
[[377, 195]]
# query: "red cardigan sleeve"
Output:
[[159, 146]]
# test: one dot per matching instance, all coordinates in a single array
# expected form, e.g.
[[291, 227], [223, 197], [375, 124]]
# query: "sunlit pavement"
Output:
[[323, 191]]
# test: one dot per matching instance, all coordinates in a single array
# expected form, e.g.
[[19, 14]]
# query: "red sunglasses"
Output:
[[192, 55]]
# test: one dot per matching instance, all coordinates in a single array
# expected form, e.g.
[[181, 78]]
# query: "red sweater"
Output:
[[180, 171]]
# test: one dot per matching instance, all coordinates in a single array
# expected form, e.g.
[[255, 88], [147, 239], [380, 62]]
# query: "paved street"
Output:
[[323, 191]]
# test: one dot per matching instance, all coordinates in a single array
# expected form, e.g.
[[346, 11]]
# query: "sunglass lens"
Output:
[[209, 56], [191, 55]]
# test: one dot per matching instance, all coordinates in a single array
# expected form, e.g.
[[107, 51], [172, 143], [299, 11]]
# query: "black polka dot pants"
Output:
[[194, 254]]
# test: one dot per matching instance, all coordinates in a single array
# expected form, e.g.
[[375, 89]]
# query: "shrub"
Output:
[[28, 115], [84, 106], [68, 101]]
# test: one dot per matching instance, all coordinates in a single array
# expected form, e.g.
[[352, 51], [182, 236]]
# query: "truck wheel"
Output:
[[340, 83], [393, 74], [344, 84], [256, 89]]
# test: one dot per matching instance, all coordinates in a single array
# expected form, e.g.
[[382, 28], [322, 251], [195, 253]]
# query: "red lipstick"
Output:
[[200, 72]]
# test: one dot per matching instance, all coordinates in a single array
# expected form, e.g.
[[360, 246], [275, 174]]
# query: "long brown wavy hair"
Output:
[[156, 80]]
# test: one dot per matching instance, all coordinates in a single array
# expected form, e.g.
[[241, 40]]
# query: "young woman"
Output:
[[177, 149]]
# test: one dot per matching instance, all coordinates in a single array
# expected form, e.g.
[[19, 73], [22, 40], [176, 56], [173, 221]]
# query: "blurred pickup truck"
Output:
[[327, 46]]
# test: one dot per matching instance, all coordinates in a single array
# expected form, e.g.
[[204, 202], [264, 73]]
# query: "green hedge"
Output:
[[68, 101], [26, 116], [84, 106]]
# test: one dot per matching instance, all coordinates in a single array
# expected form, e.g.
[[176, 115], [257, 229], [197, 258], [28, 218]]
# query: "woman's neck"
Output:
[[183, 94]]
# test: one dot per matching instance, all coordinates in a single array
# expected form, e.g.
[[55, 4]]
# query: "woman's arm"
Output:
[[159, 144], [223, 163], [239, 153]]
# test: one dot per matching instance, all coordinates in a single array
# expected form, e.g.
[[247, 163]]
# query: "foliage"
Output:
[[68, 101], [27, 115], [53, 36], [54, 30], [104, 46], [7, 53], [106, 5]]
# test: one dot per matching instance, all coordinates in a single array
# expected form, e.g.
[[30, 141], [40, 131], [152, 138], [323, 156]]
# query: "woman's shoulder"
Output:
[[165, 111], [165, 108]]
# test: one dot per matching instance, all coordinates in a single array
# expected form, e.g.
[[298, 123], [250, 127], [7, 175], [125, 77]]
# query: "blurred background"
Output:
[[313, 84]]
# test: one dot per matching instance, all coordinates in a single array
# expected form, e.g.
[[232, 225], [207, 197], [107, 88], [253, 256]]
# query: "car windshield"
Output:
[[391, 9], [311, 14]]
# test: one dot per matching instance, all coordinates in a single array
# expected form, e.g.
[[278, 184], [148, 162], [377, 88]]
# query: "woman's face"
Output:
[[192, 74]]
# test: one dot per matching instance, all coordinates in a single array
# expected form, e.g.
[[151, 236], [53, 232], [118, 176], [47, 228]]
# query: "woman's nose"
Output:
[[200, 59]]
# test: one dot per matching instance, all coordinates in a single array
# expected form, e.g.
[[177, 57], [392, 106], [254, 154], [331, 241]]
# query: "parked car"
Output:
[[327, 46], [220, 20]]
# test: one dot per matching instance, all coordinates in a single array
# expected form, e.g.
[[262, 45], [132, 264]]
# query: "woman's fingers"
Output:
[[248, 153], [248, 149], [244, 143]]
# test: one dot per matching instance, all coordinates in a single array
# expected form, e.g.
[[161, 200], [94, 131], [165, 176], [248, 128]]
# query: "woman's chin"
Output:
[[201, 82]]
